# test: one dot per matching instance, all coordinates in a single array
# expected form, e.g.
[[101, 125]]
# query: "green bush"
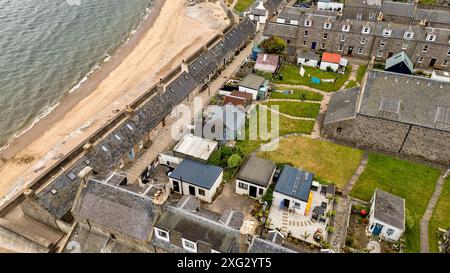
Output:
[[234, 161], [274, 45]]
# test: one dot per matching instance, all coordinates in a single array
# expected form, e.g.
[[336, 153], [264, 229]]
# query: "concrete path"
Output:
[[356, 175], [337, 239], [319, 120], [424, 244], [352, 76]]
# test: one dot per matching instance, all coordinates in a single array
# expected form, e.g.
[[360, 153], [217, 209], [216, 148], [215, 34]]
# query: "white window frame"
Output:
[[382, 43], [431, 37], [343, 37], [363, 41], [341, 47], [425, 48], [245, 186], [405, 46], [387, 32], [327, 25], [359, 16], [445, 63], [204, 192], [380, 53], [157, 230], [304, 43], [308, 23], [360, 51], [448, 52], [346, 28], [408, 35], [184, 241], [365, 30], [305, 34], [420, 60], [322, 46], [325, 36]]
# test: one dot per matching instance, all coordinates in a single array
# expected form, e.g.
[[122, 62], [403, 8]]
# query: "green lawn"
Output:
[[291, 75], [411, 181], [287, 126], [360, 73], [296, 109], [328, 161], [243, 5], [351, 84], [297, 94], [428, 2], [440, 217]]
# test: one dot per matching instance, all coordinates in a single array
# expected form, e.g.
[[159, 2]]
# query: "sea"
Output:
[[48, 48]]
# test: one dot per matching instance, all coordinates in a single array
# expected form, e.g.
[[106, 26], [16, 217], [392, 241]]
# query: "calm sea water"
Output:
[[47, 47]]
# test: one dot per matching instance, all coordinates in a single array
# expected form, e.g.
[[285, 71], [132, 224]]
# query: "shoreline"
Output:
[[75, 95]]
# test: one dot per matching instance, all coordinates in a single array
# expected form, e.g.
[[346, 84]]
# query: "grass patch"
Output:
[[296, 109], [328, 161], [428, 2], [440, 217], [297, 94], [360, 73], [243, 5], [287, 126], [291, 75], [351, 84], [411, 181]]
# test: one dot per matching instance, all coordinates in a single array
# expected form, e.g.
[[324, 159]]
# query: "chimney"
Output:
[[184, 66], [85, 173], [161, 87], [87, 147], [129, 110]]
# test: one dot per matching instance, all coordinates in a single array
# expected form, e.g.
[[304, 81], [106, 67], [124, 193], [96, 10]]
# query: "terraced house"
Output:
[[367, 29]]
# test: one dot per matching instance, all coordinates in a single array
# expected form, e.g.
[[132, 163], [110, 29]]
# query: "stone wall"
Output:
[[381, 134]]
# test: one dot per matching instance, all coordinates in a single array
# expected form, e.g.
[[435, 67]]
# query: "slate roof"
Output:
[[252, 81], [389, 209], [363, 3], [291, 13], [295, 183], [398, 9], [196, 173], [398, 58], [433, 15], [308, 55], [257, 171], [117, 209], [419, 99], [281, 30], [273, 5], [342, 105], [66, 186], [196, 228], [260, 245]]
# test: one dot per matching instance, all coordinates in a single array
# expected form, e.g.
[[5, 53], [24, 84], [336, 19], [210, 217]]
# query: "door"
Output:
[[350, 51], [390, 54], [313, 45], [176, 186], [192, 190], [252, 191], [286, 203], [432, 62], [377, 229]]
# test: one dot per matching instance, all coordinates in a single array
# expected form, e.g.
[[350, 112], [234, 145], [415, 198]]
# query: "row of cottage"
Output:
[[428, 45]]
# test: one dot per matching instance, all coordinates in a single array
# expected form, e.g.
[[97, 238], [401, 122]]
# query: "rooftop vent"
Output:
[[54, 191]]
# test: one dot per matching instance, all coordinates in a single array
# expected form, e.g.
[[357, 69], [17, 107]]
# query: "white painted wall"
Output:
[[251, 91], [312, 63], [332, 5], [436, 77], [324, 65], [164, 158], [247, 191], [209, 194], [278, 198], [383, 234], [281, 20]]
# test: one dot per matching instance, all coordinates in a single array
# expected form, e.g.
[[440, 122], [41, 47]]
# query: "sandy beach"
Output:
[[170, 34]]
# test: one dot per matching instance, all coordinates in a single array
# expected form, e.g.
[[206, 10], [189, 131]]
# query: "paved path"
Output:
[[337, 239], [319, 121], [356, 175], [352, 76], [424, 244]]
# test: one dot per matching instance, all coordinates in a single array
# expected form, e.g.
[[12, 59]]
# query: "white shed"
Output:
[[387, 216]]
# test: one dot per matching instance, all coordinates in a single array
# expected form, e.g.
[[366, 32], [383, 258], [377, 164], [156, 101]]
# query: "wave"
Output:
[[107, 57]]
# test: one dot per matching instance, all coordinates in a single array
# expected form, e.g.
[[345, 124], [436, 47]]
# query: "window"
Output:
[[201, 192], [431, 37], [306, 33], [448, 52], [380, 53], [188, 245], [358, 16], [323, 46], [405, 46], [360, 50], [425, 48], [408, 35], [420, 60], [363, 41], [117, 137], [307, 22], [161, 234], [261, 191], [366, 30], [104, 148], [304, 43], [343, 38], [382, 43], [390, 231], [346, 28], [341, 47], [243, 186], [387, 32], [327, 26], [288, 41], [325, 36], [445, 63], [129, 127], [297, 205]]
